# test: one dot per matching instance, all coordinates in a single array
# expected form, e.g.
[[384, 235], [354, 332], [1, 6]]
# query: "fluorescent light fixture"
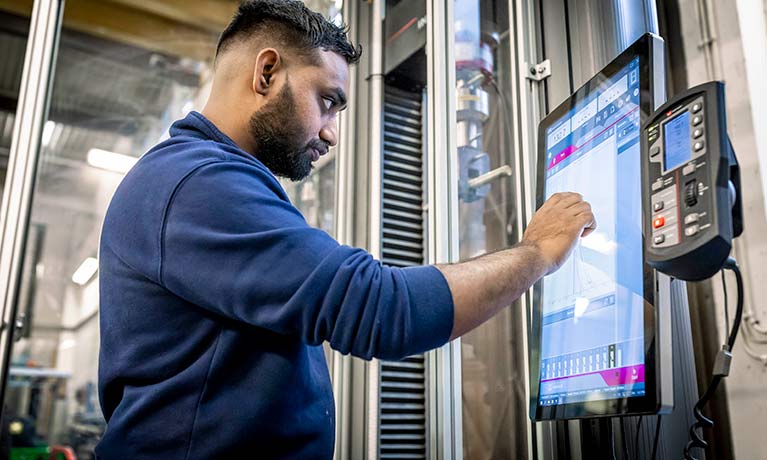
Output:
[[48, 129], [111, 161], [85, 271]]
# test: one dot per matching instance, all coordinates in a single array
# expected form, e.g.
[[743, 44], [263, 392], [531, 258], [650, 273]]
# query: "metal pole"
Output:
[[375, 155], [22, 165], [444, 364], [343, 225]]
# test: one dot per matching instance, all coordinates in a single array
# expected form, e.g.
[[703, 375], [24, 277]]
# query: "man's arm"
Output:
[[481, 287], [233, 245]]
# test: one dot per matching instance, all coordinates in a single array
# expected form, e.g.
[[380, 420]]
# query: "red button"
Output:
[[659, 222]]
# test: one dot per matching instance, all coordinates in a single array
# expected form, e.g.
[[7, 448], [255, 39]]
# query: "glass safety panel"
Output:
[[493, 380], [124, 71]]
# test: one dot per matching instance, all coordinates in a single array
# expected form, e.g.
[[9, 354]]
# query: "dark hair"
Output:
[[292, 24]]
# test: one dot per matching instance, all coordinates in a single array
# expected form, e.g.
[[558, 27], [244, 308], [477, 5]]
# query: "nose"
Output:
[[329, 133]]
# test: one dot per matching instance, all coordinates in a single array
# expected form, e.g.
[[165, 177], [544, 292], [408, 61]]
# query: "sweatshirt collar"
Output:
[[196, 125]]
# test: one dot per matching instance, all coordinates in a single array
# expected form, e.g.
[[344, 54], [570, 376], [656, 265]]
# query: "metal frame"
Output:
[[31, 112], [552, 25], [445, 395], [344, 229], [375, 177], [353, 228], [527, 104], [443, 364]]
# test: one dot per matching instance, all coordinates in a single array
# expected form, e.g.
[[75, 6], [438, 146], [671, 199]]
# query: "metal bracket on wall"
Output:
[[539, 71]]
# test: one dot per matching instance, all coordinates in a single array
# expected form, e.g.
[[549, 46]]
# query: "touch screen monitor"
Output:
[[595, 317]]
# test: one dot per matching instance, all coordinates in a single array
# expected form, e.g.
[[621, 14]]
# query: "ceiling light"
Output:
[[85, 271], [111, 161]]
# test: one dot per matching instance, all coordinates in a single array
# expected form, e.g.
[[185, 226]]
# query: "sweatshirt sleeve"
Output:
[[234, 245]]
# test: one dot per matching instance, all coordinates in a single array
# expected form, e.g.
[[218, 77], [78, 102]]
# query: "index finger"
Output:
[[591, 225]]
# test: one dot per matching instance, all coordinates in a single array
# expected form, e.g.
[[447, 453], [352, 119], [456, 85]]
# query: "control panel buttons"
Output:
[[697, 133], [659, 239], [657, 206], [698, 146], [691, 193], [692, 230], [659, 222], [696, 120], [657, 185], [691, 218], [652, 134], [696, 108], [688, 169], [654, 152]]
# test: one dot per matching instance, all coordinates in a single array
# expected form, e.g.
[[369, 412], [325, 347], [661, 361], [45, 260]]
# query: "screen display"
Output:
[[592, 325], [676, 144]]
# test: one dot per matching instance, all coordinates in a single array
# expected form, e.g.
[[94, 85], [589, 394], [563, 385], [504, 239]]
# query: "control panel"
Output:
[[690, 185]]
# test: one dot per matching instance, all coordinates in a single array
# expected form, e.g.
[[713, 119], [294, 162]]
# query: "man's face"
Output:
[[300, 123]]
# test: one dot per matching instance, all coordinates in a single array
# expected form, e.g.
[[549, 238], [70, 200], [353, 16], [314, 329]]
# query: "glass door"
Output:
[[15, 29], [123, 72], [494, 405]]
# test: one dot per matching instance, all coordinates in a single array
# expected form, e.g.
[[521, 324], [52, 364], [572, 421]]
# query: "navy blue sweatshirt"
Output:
[[216, 296]]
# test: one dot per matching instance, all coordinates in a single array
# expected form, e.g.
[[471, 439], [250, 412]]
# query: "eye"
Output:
[[328, 103]]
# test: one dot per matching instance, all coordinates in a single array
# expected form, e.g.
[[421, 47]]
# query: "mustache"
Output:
[[319, 145]]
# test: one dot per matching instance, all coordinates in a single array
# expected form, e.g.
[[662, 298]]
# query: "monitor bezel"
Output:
[[651, 402]]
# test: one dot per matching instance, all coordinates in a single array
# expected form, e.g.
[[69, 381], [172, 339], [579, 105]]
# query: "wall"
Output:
[[723, 54]]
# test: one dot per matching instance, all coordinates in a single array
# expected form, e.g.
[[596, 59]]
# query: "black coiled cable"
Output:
[[721, 370]]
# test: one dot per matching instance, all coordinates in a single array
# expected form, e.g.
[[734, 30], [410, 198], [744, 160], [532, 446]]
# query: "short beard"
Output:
[[274, 130]]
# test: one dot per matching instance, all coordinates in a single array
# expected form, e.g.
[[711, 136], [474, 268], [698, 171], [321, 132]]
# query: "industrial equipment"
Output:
[[693, 177], [692, 206]]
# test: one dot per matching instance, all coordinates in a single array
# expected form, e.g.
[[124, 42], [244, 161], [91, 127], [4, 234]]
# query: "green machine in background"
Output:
[[30, 453], [41, 453]]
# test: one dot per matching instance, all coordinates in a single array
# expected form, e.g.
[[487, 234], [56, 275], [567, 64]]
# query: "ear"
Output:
[[268, 63]]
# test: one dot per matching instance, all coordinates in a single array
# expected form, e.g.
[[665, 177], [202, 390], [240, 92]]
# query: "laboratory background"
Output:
[[457, 117]]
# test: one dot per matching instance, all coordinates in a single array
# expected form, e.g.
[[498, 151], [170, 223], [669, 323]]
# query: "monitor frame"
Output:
[[658, 396]]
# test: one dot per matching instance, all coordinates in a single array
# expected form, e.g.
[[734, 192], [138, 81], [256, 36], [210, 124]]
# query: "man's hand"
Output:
[[482, 286], [556, 227]]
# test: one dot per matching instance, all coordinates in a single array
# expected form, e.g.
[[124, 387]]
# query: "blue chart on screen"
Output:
[[677, 141], [592, 343]]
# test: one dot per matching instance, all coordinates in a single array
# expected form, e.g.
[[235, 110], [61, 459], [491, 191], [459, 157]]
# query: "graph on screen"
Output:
[[590, 271]]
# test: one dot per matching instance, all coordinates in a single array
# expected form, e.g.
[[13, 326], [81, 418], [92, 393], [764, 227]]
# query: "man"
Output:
[[215, 293]]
